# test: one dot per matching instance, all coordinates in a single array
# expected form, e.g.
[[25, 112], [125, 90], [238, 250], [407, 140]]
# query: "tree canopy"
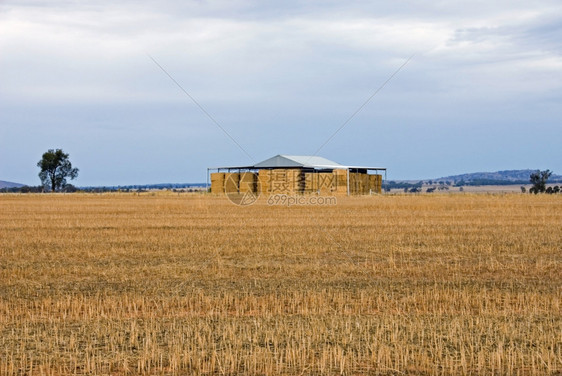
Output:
[[539, 179], [55, 169]]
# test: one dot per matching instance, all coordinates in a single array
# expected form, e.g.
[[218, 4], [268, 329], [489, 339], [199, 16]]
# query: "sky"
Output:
[[482, 90]]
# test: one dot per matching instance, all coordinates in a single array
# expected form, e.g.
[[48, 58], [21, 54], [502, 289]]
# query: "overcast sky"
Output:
[[483, 91]]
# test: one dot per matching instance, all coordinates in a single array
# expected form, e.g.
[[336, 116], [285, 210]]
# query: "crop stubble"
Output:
[[165, 284]]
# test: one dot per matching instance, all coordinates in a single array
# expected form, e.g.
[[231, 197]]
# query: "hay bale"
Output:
[[264, 177], [365, 184], [375, 183], [310, 183], [354, 183], [326, 182], [231, 182], [217, 183], [248, 182]]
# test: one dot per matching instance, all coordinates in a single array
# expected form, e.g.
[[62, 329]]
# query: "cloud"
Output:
[[268, 70], [75, 52]]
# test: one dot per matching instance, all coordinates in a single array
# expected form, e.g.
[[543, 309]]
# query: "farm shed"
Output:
[[289, 174]]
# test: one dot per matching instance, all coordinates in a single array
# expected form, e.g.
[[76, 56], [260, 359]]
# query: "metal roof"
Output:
[[303, 161], [300, 161]]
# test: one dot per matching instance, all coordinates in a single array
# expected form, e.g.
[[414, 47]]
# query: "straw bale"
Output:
[[248, 182], [231, 183]]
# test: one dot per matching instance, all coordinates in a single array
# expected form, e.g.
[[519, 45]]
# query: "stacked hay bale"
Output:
[[375, 183], [231, 182], [340, 181], [365, 184], [319, 183], [354, 183], [248, 182], [264, 177], [295, 181], [310, 182], [326, 183], [278, 181], [217, 183], [359, 183]]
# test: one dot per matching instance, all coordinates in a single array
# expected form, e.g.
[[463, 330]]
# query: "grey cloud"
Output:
[[280, 75]]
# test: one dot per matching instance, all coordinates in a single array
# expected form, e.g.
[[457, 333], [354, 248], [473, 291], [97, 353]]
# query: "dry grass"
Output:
[[166, 284]]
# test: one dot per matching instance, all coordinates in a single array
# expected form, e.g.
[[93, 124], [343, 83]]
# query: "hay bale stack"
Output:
[[310, 182], [358, 183], [248, 182], [231, 182], [341, 178], [295, 181], [217, 183], [340, 182], [264, 177], [326, 182], [354, 183], [375, 183], [278, 181], [365, 186]]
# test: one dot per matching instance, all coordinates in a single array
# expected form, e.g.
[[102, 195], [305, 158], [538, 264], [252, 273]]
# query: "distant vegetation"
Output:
[[180, 187], [402, 185], [537, 178], [506, 177]]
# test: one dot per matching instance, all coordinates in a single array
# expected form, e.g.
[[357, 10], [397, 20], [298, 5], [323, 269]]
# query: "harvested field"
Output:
[[462, 284]]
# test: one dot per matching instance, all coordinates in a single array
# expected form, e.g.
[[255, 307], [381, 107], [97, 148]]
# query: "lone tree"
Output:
[[55, 169], [539, 179]]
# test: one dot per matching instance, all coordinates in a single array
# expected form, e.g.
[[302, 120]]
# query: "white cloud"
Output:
[[294, 63], [98, 49]]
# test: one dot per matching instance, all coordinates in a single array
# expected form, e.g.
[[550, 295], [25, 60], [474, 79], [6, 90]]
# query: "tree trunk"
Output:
[[53, 183]]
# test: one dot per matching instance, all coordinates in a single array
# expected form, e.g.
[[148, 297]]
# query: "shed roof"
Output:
[[299, 161], [303, 161]]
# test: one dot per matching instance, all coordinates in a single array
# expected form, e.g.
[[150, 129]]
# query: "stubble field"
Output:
[[189, 284]]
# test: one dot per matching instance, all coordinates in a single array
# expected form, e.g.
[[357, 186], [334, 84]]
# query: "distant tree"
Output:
[[549, 190], [523, 189], [429, 190], [539, 179], [556, 189], [55, 169]]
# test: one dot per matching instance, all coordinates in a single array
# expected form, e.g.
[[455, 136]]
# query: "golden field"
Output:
[[189, 284]]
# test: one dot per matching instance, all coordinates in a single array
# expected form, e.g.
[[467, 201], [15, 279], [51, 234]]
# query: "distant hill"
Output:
[[9, 184], [508, 176]]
